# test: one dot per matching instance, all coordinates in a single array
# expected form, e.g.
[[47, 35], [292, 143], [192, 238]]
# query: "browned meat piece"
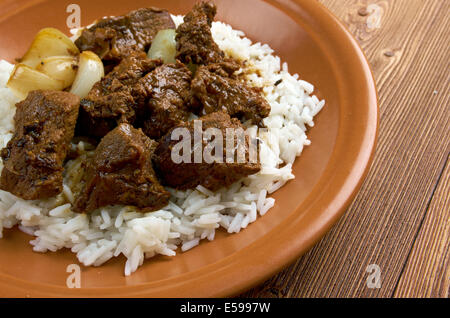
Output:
[[171, 99], [213, 175], [195, 43], [217, 89], [116, 98], [33, 159], [114, 38], [121, 172]]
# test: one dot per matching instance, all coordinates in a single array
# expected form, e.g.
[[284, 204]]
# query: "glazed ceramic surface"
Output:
[[328, 173]]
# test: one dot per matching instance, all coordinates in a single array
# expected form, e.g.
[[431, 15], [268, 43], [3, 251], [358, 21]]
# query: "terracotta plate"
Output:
[[328, 174]]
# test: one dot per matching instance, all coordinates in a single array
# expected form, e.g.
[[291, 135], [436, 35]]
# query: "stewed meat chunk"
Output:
[[33, 159], [117, 98], [195, 43], [114, 38], [218, 90], [214, 175], [121, 173], [170, 98]]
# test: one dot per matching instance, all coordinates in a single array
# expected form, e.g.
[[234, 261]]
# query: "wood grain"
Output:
[[391, 219], [427, 272]]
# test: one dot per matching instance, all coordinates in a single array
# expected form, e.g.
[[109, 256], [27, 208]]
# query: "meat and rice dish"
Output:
[[88, 128]]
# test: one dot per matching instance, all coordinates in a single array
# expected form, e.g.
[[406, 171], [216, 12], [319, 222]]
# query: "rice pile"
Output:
[[192, 215]]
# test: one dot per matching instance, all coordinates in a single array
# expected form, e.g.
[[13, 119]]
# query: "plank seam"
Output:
[[420, 225]]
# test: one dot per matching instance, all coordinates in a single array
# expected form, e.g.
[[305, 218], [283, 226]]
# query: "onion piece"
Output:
[[24, 79], [90, 71], [49, 42], [164, 46], [63, 68]]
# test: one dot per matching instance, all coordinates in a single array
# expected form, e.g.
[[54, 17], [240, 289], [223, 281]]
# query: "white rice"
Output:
[[192, 215]]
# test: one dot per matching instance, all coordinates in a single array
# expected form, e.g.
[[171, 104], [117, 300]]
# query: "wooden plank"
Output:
[[427, 272], [406, 42]]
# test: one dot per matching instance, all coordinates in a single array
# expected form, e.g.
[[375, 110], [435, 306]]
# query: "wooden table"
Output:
[[400, 220]]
